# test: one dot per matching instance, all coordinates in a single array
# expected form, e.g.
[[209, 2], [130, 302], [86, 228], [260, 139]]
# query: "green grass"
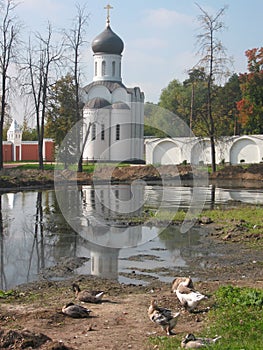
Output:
[[243, 223], [252, 215], [236, 317], [30, 166], [6, 294], [89, 168]]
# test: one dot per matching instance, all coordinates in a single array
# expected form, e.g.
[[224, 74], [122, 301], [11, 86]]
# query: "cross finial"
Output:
[[108, 8]]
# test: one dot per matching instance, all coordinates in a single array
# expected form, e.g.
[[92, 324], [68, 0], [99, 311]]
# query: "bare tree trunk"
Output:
[[39, 64], [74, 42], [215, 60], [1, 129], [9, 32]]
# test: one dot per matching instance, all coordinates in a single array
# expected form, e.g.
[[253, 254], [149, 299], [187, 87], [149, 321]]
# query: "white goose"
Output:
[[188, 297], [163, 317]]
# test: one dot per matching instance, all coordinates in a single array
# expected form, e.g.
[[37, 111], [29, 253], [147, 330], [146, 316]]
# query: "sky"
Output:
[[159, 35]]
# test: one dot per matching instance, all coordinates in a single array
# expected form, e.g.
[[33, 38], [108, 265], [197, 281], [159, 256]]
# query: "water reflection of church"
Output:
[[106, 231]]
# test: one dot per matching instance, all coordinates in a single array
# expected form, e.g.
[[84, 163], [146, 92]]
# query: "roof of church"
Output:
[[107, 42], [120, 105], [97, 102], [110, 85]]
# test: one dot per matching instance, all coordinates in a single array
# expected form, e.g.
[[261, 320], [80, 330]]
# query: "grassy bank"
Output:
[[236, 317]]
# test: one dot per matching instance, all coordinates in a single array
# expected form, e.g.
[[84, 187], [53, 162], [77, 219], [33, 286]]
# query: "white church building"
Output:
[[113, 114]]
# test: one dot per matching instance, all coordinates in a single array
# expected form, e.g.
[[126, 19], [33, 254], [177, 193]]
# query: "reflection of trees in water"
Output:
[[186, 246], [35, 239], [38, 238], [3, 234], [173, 238], [212, 197], [57, 226]]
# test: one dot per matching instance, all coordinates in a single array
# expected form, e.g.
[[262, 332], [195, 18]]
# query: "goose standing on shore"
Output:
[[163, 317], [188, 297]]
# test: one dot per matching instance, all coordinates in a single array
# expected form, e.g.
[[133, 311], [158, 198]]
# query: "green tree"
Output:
[[60, 117], [196, 84], [29, 134], [161, 122], [175, 98], [7, 122], [149, 121], [225, 107], [250, 107]]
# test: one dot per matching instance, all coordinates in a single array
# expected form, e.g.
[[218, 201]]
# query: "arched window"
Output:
[[118, 132], [96, 68], [92, 264], [102, 132], [113, 68], [93, 132], [103, 68]]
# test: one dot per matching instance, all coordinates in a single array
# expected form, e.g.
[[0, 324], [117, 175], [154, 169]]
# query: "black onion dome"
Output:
[[107, 42]]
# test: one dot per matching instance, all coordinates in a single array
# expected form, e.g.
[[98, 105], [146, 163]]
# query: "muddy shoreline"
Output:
[[234, 176]]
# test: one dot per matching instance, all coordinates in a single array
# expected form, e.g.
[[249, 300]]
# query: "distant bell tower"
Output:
[[14, 135]]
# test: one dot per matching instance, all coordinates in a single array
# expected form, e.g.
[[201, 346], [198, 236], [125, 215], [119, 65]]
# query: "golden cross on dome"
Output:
[[108, 8]]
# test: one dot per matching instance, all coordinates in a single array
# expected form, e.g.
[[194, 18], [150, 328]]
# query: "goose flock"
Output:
[[187, 295], [190, 299]]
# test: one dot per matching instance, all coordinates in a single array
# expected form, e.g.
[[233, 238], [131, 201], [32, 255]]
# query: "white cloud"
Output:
[[164, 18]]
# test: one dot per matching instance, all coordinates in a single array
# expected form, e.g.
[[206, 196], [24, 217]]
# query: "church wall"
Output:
[[233, 150], [97, 149], [121, 149], [167, 152], [137, 130], [244, 150]]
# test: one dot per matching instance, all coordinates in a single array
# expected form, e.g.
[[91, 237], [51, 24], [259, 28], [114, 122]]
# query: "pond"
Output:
[[53, 234]]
